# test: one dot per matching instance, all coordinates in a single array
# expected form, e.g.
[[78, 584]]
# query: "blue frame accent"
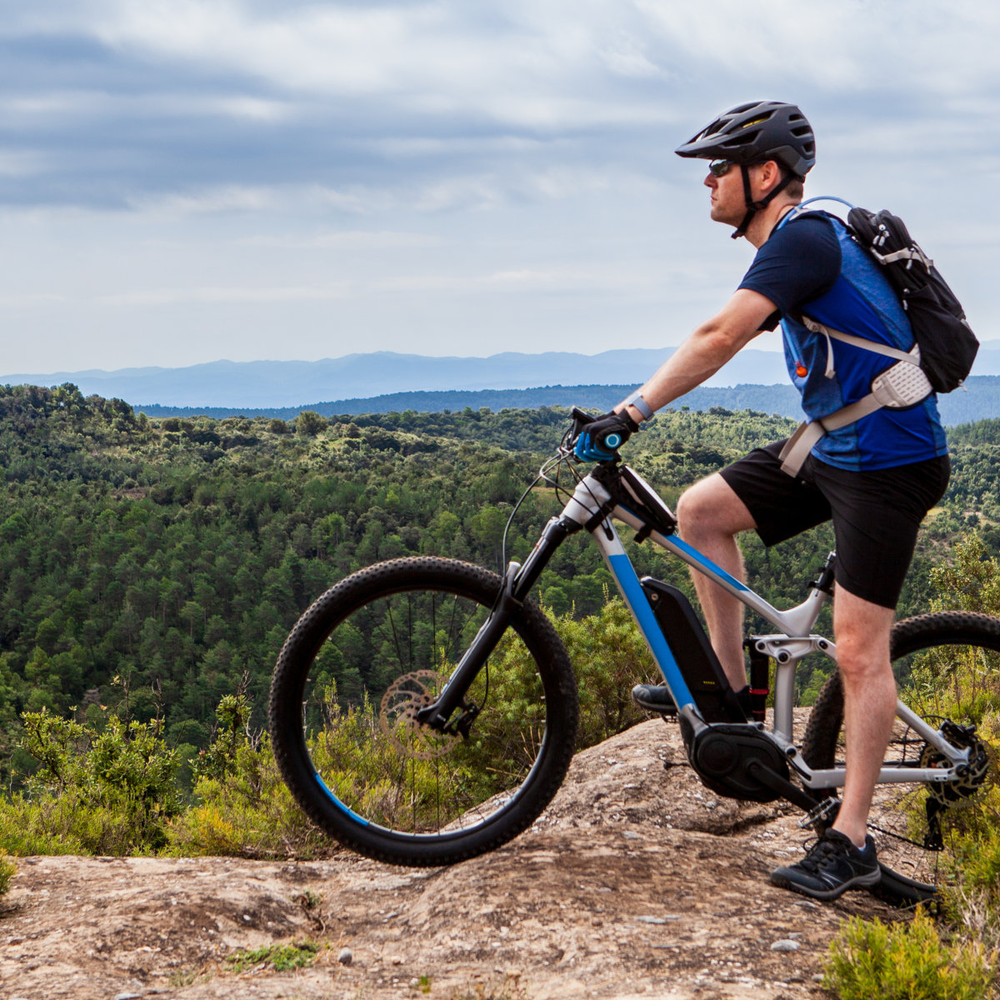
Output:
[[636, 599], [708, 564]]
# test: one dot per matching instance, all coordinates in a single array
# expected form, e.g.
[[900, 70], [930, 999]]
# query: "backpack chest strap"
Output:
[[901, 385], [911, 356]]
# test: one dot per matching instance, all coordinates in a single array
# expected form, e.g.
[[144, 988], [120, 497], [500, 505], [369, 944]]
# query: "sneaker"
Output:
[[831, 866], [654, 698]]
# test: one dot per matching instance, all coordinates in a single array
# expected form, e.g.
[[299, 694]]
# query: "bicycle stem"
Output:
[[517, 582]]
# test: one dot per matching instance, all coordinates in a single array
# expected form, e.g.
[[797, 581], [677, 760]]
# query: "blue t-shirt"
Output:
[[812, 266]]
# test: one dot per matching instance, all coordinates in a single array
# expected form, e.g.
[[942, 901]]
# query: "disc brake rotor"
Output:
[[398, 716]]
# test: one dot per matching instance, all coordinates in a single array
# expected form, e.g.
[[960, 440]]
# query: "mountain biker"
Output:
[[875, 479]]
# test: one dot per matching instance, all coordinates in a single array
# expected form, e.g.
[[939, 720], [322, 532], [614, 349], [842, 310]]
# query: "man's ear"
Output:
[[769, 176]]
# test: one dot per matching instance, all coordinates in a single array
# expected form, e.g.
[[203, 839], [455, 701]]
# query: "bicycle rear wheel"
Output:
[[952, 662], [360, 663]]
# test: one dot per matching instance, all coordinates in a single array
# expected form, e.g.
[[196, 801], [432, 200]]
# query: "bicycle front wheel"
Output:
[[950, 662], [354, 672]]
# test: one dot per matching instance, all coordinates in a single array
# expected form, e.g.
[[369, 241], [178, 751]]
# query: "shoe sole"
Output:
[[658, 709], [867, 881]]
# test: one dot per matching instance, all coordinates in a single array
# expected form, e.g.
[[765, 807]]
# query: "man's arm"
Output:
[[707, 349]]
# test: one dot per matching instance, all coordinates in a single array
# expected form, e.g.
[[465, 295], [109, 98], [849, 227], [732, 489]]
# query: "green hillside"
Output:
[[163, 561]]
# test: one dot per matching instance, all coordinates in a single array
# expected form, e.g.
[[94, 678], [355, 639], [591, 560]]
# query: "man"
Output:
[[875, 478]]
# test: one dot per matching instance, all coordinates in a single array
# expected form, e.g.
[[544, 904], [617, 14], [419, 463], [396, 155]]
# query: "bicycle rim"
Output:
[[359, 666]]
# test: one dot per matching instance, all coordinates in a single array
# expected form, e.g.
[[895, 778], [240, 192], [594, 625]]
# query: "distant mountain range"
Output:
[[239, 384], [980, 402], [383, 381]]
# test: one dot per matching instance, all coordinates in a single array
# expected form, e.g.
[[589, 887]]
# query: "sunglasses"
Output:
[[719, 168]]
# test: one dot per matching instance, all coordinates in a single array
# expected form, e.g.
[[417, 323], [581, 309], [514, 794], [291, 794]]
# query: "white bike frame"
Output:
[[794, 641]]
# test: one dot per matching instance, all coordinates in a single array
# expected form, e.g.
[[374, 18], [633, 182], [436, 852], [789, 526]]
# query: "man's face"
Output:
[[728, 203]]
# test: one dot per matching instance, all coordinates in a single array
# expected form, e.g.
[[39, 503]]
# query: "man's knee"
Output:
[[710, 506], [690, 504], [861, 631]]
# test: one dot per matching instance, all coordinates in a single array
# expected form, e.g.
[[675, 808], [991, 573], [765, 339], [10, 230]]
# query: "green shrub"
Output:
[[7, 872], [906, 961], [104, 791], [609, 657], [242, 805], [280, 957]]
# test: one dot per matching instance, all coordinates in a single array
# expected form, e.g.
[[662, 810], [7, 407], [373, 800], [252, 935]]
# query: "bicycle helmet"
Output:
[[752, 133]]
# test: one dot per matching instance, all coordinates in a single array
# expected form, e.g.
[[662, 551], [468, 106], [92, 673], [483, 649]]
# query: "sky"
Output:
[[183, 181]]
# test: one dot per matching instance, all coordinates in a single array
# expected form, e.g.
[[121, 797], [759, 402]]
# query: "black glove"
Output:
[[601, 438]]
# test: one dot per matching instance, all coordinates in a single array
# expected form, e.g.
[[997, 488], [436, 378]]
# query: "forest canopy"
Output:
[[163, 561]]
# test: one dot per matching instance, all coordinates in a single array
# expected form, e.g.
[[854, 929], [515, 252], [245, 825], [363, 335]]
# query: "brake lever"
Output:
[[580, 420]]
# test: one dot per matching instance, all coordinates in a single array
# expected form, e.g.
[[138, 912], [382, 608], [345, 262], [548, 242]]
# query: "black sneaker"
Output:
[[831, 866], [654, 698]]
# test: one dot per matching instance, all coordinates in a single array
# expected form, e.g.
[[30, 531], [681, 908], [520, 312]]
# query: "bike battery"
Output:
[[693, 652]]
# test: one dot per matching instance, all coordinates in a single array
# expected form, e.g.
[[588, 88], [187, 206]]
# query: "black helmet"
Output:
[[755, 132]]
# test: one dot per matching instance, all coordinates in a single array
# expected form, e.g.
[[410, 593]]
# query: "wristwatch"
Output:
[[636, 400]]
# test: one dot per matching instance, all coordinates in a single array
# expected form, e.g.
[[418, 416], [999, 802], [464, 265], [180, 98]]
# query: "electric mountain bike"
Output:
[[455, 725]]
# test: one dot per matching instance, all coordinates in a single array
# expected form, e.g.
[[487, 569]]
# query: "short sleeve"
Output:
[[798, 263]]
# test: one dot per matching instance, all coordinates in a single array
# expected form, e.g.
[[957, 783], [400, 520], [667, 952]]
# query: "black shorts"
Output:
[[876, 515]]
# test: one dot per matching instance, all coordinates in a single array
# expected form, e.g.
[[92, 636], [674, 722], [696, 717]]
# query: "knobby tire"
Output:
[[354, 671]]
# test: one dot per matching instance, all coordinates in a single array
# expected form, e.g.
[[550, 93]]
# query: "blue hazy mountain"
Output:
[[356, 376], [383, 381]]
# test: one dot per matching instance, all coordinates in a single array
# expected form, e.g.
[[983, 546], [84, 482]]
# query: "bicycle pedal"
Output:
[[824, 812]]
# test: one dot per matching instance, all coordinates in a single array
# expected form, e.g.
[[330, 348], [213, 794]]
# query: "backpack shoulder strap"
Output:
[[866, 345]]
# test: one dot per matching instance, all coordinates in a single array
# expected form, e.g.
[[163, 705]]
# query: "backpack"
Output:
[[945, 345]]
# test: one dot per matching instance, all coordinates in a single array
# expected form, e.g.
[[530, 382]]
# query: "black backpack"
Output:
[[947, 344]]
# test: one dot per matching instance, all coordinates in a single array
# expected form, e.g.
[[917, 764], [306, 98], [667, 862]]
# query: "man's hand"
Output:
[[601, 438]]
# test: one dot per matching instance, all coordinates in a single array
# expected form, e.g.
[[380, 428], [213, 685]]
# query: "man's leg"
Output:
[[844, 857], [710, 515], [861, 630]]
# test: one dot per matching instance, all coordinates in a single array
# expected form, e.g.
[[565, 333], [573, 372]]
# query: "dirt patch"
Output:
[[636, 882]]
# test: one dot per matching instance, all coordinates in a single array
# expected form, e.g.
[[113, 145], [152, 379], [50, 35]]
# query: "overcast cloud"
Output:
[[188, 180]]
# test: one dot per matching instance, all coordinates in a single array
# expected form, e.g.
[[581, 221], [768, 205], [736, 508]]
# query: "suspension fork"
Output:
[[517, 582]]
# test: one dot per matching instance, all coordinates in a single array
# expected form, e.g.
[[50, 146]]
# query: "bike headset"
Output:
[[754, 133]]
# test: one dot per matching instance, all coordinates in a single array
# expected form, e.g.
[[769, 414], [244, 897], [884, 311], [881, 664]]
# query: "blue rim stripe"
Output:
[[340, 805]]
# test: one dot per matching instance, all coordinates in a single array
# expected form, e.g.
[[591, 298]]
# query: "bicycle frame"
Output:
[[593, 507]]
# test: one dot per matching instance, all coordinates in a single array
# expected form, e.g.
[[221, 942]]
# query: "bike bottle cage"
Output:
[[628, 489]]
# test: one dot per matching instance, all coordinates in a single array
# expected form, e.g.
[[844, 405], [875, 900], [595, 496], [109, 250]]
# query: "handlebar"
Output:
[[602, 447]]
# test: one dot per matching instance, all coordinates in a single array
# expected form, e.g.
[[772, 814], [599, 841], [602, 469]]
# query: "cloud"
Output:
[[179, 178]]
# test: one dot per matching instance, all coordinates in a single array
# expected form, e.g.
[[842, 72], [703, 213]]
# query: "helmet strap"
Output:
[[753, 207]]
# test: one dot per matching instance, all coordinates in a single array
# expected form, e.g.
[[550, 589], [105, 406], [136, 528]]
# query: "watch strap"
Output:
[[636, 401]]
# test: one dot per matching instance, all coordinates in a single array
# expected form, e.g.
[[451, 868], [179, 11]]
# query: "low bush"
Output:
[[105, 789], [242, 806], [7, 872], [906, 961]]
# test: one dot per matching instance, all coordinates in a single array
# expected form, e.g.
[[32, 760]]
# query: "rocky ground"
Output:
[[635, 882]]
